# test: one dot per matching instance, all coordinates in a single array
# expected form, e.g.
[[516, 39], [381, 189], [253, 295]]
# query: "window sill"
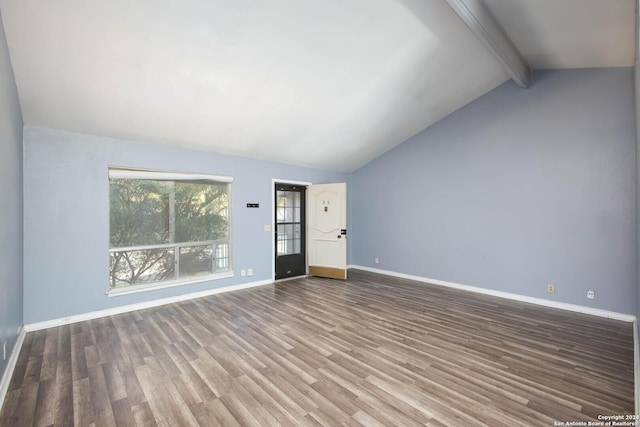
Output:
[[116, 292]]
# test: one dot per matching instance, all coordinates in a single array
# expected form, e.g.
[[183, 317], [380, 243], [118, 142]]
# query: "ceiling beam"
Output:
[[482, 23]]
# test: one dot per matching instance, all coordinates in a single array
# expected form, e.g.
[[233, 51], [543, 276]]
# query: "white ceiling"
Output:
[[323, 83]]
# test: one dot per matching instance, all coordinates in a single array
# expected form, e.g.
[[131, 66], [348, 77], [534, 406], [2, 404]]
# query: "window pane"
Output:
[[288, 239], [288, 231], [281, 205], [195, 261], [282, 245], [141, 267], [139, 212], [201, 212], [296, 242], [288, 215], [288, 206], [222, 257]]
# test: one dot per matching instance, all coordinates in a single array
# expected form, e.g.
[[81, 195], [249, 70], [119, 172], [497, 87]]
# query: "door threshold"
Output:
[[286, 279]]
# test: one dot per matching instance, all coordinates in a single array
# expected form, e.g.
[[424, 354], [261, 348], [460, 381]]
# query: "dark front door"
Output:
[[290, 239]]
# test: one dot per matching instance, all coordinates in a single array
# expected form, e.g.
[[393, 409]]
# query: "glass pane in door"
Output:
[[289, 236]]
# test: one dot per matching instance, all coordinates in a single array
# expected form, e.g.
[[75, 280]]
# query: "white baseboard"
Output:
[[507, 295], [139, 306], [11, 366]]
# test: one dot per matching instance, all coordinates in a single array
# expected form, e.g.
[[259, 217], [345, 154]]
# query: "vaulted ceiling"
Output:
[[322, 83]]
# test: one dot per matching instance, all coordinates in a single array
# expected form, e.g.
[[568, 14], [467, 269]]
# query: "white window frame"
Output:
[[116, 172]]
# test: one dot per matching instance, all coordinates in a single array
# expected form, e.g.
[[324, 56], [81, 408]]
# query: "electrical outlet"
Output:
[[4, 351], [250, 272], [243, 272], [591, 294], [377, 260], [551, 289]]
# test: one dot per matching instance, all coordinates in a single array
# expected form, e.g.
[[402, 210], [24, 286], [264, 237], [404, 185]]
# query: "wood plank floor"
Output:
[[373, 350]]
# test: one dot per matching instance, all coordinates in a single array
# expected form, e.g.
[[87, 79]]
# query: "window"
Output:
[[167, 228]]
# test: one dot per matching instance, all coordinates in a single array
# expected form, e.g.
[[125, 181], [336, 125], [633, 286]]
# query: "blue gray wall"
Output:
[[66, 216], [10, 204], [519, 189]]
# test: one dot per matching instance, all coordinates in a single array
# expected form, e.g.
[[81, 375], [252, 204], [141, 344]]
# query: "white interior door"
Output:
[[327, 227]]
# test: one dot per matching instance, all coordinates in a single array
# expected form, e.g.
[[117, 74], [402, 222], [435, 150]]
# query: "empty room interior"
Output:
[[398, 212]]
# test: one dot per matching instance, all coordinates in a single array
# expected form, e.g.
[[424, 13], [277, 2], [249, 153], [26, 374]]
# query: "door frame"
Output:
[[273, 224]]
